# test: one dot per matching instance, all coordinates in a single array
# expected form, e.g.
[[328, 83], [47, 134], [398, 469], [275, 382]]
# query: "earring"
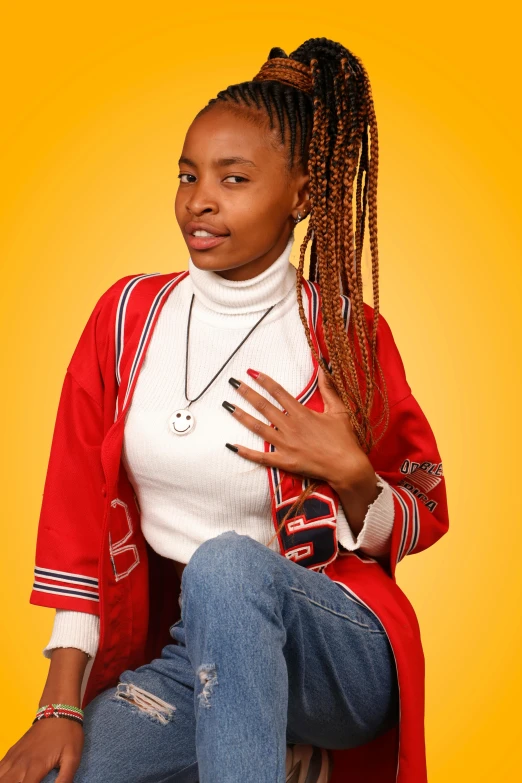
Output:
[[298, 218]]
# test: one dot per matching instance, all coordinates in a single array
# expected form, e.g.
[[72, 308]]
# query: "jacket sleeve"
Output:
[[72, 508], [408, 459]]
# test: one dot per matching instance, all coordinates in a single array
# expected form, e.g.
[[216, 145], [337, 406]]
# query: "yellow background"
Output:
[[96, 101]]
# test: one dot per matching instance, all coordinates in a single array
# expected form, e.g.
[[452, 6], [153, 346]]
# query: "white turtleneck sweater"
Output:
[[191, 487]]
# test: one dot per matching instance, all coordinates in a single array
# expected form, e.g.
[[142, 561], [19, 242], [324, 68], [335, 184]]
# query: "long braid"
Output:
[[320, 98]]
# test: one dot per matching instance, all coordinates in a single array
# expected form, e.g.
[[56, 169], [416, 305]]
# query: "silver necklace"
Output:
[[182, 421]]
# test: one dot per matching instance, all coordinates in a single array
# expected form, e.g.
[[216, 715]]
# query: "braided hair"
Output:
[[320, 98]]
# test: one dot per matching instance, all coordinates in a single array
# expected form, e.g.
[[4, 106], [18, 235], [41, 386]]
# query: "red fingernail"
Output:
[[252, 373]]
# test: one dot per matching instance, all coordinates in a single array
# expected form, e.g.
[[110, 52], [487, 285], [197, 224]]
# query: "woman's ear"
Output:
[[302, 194]]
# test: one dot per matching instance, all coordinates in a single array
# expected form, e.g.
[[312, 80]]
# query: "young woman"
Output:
[[237, 467]]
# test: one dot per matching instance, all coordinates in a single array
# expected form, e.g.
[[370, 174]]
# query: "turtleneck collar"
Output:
[[235, 297]]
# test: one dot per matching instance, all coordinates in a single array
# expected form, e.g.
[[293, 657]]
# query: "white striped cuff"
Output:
[[375, 535], [74, 629]]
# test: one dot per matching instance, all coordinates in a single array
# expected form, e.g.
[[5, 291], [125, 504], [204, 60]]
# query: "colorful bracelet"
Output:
[[59, 711]]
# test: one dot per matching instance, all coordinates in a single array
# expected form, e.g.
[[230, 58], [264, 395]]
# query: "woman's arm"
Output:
[[410, 513], [65, 676], [68, 543], [50, 743]]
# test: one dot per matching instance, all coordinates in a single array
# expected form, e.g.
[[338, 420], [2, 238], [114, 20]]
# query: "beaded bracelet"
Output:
[[59, 711]]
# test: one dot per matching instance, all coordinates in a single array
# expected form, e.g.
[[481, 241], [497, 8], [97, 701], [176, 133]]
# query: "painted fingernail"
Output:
[[252, 373], [229, 406], [236, 384], [231, 447]]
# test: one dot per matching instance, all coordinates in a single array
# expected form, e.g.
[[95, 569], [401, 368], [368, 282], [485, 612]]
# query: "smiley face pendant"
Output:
[[182, 421]]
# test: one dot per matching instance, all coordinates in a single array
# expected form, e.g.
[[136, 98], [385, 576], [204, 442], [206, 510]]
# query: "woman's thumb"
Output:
[[332, 401], [68, 766]]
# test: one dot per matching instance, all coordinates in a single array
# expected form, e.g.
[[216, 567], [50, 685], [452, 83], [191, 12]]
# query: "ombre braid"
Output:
[[322, 99]]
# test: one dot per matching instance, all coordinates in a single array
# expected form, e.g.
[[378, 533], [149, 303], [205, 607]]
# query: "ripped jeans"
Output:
[[266, 653]]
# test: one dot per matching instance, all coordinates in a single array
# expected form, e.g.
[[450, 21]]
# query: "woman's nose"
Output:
[[200, 209], [201, 201]]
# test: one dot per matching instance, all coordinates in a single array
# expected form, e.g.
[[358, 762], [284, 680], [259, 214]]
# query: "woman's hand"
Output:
[[49, 743], [308, 443]]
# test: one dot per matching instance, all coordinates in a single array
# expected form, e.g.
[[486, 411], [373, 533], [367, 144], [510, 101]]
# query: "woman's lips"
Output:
[[203, 243]]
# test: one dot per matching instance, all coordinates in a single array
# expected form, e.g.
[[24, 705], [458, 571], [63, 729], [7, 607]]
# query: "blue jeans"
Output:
[[266, 653]]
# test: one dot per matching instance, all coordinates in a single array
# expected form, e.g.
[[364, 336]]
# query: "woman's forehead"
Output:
[[217, 138]]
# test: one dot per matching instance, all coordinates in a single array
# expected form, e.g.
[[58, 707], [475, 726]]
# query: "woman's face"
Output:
[[235, 183]]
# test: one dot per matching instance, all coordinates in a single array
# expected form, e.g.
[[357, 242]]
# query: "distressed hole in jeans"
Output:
[[208, 678], [147, 703]]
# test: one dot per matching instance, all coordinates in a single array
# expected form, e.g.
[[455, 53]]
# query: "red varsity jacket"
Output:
[[91, 555]]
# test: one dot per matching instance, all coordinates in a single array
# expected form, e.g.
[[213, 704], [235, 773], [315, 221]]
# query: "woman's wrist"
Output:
[[65, 677], [356, 495], [60, 697], [59, 710]]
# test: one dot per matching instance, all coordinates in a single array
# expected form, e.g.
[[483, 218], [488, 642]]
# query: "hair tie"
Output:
[[287, 71]]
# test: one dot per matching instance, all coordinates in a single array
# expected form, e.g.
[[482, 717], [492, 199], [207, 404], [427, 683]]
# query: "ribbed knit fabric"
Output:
[[191, 487], [74, 629]]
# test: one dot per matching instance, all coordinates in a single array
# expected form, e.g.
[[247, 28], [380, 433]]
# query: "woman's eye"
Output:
[[231, 176]]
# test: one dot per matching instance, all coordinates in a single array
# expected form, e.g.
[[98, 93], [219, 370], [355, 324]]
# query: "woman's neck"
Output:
[[241, 297]]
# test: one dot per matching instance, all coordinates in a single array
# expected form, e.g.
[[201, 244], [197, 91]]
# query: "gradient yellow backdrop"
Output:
[[96, 101]]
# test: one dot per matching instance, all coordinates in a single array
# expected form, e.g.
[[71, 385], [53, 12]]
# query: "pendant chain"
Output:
[[227, 361]]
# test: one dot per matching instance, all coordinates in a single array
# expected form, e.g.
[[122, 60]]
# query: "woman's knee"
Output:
[[221, 562]]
